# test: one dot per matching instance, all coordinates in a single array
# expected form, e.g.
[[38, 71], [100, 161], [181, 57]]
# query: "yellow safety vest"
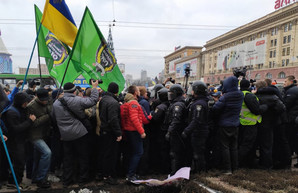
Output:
[[247, 117]]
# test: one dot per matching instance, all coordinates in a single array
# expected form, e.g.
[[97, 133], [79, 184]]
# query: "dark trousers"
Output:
[[177, 152], [57, 151], [18, 157], [76, 150], [3, 164], [135, 144], [109, 154], [281, 148], [247, 139], [228, 137], [266, 143], [198, 142]]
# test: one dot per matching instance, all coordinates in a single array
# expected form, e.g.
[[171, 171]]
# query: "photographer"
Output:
[[71, 121]]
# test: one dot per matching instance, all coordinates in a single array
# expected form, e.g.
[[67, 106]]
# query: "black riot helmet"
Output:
[[199, 87], [155, 89], [175, 91], [162, 94]]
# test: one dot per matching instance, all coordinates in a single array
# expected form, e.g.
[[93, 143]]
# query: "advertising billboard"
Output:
[[249, 53], [172, 67], [180, 68]]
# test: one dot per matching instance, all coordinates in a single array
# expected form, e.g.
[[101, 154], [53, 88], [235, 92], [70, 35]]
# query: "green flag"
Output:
[[91, 52], [56, 53]]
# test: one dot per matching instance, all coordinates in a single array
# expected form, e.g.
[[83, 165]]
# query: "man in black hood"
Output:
[[18, 123], [228, 107]]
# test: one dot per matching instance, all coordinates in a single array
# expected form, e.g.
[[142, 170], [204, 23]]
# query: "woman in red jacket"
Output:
[[132, 120]]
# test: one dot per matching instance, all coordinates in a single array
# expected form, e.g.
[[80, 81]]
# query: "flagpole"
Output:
[[31, 57], [9, 161]]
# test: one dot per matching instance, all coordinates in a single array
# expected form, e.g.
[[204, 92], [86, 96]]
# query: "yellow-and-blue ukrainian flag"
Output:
[[58, 19]]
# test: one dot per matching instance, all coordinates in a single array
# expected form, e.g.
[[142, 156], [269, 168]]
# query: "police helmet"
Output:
[[155, 89], [162, 94], [175, 91], [199, 87]]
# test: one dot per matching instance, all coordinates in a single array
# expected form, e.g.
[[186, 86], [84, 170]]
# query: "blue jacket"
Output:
[[145, 104], [229, 104], [10, 97]]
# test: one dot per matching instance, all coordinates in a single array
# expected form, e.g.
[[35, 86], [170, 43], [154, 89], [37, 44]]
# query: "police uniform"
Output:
[[176, 116], [198, 131]]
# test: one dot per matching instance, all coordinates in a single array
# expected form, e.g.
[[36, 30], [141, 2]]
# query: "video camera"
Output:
[[93, 80], [240, 72], [187, 69]]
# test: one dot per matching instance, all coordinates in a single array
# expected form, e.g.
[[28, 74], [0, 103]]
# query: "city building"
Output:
[[43, 68], [143, 75], [267, 46], [180, 59], [5, 60]]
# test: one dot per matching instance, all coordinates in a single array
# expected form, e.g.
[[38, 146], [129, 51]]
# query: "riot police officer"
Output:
[[154, 101], [175, 118], [197, 127], [159, 147]]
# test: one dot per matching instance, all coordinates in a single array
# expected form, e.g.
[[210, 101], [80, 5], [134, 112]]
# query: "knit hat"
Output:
[[113, 88], [20, 98], [42, 94], [69, 87], [244, 84]]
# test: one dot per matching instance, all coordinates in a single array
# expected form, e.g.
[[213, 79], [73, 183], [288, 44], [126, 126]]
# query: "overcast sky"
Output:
[[148, 34]]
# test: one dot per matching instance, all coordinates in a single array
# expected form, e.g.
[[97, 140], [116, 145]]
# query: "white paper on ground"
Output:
[[182, 173]]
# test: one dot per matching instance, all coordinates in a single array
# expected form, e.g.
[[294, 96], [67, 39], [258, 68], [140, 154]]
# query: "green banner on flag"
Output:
[[91, 52], [55, 52]]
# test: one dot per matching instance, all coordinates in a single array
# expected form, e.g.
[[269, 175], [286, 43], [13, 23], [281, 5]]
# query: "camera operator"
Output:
[[70, 117]]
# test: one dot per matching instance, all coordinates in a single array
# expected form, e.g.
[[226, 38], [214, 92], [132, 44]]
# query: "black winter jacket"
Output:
[[109, 112], [17, 124], [197, 115], [176, 115], [291, 101], [272, 116]]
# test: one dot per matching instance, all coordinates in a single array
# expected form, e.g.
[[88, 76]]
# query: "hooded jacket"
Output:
[[229, 104], [132, 116]]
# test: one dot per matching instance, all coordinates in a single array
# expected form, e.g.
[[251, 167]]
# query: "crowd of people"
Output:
[[82, 135]]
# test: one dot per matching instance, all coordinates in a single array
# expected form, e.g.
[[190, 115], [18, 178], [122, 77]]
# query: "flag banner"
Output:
[[55, 52], [91, 52], [58, 19]]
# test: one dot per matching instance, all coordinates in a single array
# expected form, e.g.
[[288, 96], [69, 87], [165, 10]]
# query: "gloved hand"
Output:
[[167, 136], [183, 135]]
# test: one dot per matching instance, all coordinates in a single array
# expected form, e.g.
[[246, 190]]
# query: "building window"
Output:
[[269, 75], [283, 62], [208, 80], [274, 53], [258, 77], [273, 64], [289, 38], [290, 26], [285, 40], [286, 28], [271, 54], [271, 43], [283, 51], [218, 79], [281, 75], [270, 64], [288, 51], [275, 42], [287, 62]]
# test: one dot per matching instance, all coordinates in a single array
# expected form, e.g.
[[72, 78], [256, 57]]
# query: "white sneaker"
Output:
[[53, 178]]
